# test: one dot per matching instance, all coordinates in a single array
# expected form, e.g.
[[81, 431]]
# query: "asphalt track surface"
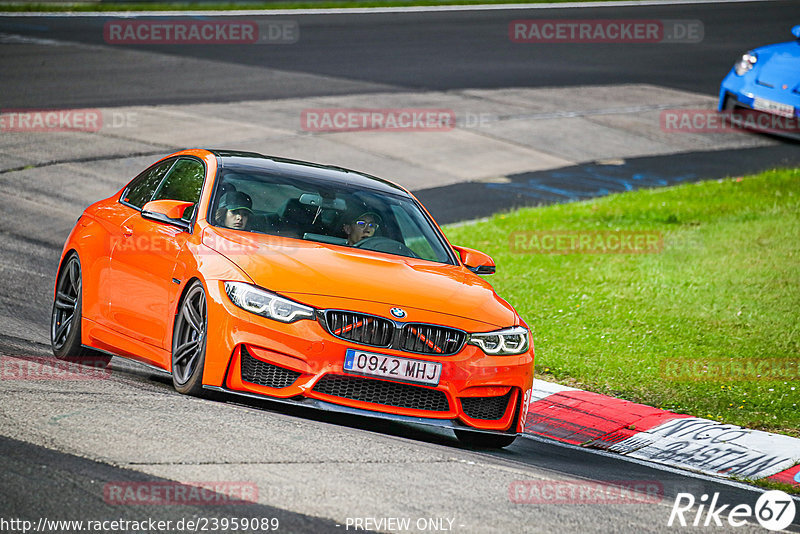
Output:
[[474, 200], [46, 473], [39, 482], [383, 52]]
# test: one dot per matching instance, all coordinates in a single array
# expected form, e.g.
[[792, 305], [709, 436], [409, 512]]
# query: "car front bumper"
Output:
[[301, 363]]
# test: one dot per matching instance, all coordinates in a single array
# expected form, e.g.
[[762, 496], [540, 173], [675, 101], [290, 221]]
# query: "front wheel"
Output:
[[189, 342], [483, 440], [65, 320]]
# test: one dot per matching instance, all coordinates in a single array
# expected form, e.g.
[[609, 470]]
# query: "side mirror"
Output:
[[168, 212], [476, 261], [796, 31]]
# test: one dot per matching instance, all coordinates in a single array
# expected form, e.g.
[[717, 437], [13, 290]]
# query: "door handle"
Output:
[[126, 231]]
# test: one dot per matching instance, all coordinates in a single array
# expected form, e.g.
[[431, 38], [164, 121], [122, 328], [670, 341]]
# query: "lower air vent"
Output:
[[486, 408], [382, 392], [265, 374]]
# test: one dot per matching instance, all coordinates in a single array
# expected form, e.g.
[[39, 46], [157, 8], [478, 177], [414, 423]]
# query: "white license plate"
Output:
[[400, 369], [784, 110]]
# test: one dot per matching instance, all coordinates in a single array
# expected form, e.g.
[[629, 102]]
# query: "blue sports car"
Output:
[[766, 82]]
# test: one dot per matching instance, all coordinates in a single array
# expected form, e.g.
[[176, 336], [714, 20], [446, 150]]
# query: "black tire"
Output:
[[189, 342], [483, 440], [729, 104], [65, 320]]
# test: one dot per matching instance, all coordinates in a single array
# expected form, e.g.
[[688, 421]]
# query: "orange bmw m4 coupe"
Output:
[[306, 284]]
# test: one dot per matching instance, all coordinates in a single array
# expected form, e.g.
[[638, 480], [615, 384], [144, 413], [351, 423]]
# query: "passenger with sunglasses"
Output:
[[362, 227]]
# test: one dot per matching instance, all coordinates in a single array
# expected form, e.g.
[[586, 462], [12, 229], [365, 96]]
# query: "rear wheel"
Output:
[[483, 440], [65, 321], [189, 342]]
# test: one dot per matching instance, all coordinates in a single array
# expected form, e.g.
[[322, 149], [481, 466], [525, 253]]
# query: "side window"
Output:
[[141, 189], [184, 182]]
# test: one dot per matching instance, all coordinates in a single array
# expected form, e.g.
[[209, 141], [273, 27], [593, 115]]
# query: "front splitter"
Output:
[[336, 408]]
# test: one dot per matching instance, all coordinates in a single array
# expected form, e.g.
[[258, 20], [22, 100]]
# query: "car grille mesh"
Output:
[[382, 392], [379, 332], [266, 374], [364, 329], [430, 339], [486, 408]]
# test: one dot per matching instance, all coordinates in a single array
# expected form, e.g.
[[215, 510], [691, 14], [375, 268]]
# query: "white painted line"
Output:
[[369, 10], [701, 445], [712, 447], [10, 38], [653, 465], [543, 389], [603, 111]]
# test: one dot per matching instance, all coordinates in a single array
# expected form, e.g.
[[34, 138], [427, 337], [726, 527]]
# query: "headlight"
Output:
[[745, 64], [266, 304], [501, 342]]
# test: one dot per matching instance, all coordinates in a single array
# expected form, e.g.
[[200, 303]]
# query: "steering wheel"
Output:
[[384, 244]]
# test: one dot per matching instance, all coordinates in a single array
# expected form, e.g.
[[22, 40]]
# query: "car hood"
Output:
[[780, 65], [310, 271]]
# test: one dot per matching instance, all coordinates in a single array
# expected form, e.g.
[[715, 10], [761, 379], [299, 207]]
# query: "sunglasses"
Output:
[[365, 224]]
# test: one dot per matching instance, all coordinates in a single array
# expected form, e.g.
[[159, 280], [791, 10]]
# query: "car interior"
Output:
[[299, 210]]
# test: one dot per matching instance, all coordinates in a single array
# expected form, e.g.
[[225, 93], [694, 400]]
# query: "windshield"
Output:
[[325, 211]]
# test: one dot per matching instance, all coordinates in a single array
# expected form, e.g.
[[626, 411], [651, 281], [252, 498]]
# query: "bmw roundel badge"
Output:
[[398, 312]]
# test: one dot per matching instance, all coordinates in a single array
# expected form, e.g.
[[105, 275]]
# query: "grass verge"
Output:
[[708, 326], [772, 485]]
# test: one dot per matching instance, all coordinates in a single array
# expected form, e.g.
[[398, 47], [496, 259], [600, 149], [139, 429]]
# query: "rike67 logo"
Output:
[[774, 510]]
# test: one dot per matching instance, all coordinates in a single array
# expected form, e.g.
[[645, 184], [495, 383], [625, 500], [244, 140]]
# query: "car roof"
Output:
[[242, 161]]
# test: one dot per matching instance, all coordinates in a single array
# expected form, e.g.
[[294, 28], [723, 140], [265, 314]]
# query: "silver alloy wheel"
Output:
[[188, 347], [68, 293]]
